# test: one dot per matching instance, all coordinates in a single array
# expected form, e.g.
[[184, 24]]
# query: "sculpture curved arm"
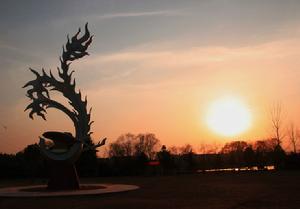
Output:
[[45, 83]]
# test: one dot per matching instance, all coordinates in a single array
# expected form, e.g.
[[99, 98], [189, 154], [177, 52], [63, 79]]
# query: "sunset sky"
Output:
[[154, 66]]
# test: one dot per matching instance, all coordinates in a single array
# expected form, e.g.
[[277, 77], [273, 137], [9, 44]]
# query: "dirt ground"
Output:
[[223, 190]]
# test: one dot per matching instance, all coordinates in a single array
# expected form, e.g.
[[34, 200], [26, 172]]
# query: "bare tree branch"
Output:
[[277, 122], [293, 135]]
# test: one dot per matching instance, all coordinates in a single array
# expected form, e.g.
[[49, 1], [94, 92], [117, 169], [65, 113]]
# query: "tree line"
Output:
[[143, 154]]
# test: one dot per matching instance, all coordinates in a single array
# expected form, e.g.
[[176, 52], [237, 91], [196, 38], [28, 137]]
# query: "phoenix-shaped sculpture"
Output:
[[64, 147]]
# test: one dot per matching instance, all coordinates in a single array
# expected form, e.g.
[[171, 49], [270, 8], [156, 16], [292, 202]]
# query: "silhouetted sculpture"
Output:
[[65, 149]]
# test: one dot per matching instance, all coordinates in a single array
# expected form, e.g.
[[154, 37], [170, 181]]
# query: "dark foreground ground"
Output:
[[224, 190]]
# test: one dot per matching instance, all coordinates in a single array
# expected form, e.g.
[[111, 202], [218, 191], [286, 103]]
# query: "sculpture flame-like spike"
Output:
[[74, 49]]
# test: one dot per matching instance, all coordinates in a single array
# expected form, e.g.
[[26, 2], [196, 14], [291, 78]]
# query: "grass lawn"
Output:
[[218, 190]]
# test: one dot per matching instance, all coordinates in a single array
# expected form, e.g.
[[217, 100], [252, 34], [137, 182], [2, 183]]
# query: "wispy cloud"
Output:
[[139, 14], [193, 65]]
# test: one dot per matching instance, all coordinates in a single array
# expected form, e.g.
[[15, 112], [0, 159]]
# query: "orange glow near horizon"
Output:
[[153, 93]]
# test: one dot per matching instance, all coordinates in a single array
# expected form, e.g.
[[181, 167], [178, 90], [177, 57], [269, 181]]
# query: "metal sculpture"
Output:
[[65, 148]]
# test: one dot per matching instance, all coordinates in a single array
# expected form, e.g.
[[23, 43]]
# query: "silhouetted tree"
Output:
[[131, 145], [263, 151], [123, 146], [130, 153], [116, 150], [293, 134], [276, 115], [188, 157], [235, 151], [266, 145], [235, 146], [174, 150], [147, 144], [186, 149]]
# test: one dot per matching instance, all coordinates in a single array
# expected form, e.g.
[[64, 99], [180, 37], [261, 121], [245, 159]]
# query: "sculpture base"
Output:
[[62, 176], [85, 189]]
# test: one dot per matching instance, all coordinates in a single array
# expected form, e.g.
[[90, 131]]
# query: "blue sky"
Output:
[[33, 32]]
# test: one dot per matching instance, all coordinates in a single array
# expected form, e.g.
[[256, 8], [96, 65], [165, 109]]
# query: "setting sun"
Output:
[[228, 117]]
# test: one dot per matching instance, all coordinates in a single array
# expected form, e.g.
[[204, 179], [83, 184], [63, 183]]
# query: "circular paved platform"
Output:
[[86, 189]]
